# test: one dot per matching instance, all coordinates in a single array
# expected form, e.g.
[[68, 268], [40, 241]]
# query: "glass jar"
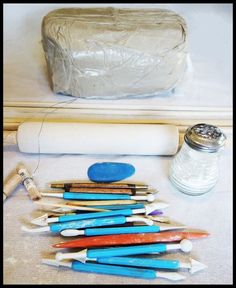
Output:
[[194, 170]]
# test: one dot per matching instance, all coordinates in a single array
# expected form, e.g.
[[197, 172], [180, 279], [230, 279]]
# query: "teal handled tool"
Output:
[[100, 196], [115, 270], [120, 206], [80, 224], [114, 230], [118, 230], [193, 266], [110, 207], [148, 208], [184, 245]]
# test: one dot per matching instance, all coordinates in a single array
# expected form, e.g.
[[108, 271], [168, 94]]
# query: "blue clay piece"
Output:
[[110, 171]]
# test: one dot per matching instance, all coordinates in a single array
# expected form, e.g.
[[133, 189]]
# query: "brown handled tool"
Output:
[[103, 190], [68, 185]]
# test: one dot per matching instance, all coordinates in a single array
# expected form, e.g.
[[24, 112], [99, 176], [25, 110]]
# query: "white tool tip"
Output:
[[40, 221], [80, 256], [54, 262], [196, 266], [71, 232], [151, 197], [186, 245], [60, 256], [35, 230], [174, 276]]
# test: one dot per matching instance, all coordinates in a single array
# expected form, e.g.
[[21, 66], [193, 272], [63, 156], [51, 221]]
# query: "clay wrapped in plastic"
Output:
[[111, 53]]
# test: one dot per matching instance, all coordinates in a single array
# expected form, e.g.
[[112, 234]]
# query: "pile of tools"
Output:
[[120, 226]]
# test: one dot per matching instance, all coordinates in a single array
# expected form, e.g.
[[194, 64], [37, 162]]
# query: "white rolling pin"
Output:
[[96, 138]]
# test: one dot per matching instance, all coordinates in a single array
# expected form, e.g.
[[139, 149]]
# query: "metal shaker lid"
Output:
[[205, 137]]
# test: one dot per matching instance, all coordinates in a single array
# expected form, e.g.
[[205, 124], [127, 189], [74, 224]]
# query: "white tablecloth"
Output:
[[25, 79], [211, 212]]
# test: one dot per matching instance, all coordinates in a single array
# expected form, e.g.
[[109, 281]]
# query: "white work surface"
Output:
[[25, 79], [211, 212]]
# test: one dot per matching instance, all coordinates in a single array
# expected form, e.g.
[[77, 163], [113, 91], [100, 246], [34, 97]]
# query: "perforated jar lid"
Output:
[[205, 137]]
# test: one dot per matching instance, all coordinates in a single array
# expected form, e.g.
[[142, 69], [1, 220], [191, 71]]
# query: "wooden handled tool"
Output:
[[99, 185], [102, 190]]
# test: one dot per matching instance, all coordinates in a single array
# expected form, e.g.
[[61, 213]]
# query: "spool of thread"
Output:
[[11, 185], [28, 182]]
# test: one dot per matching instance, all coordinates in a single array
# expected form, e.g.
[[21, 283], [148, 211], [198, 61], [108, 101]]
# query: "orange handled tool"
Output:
[[126, 239]]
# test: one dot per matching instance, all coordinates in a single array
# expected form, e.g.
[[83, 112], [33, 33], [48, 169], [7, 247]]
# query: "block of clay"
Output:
[[112, 53]]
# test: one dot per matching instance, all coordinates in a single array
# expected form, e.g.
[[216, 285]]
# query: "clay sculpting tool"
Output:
[[102, 196], [109, 191], [124, 236], [89, 254], [101, 202], [102, 190], [131, 206], [193, 266], [154, 236], [43, 220], [74, 204], [115, 270], [109, 231], [123, 206], [99, 185], [67, 207], [80, 224]]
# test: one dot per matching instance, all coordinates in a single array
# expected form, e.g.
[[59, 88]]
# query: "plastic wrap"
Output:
[[111, 53]]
